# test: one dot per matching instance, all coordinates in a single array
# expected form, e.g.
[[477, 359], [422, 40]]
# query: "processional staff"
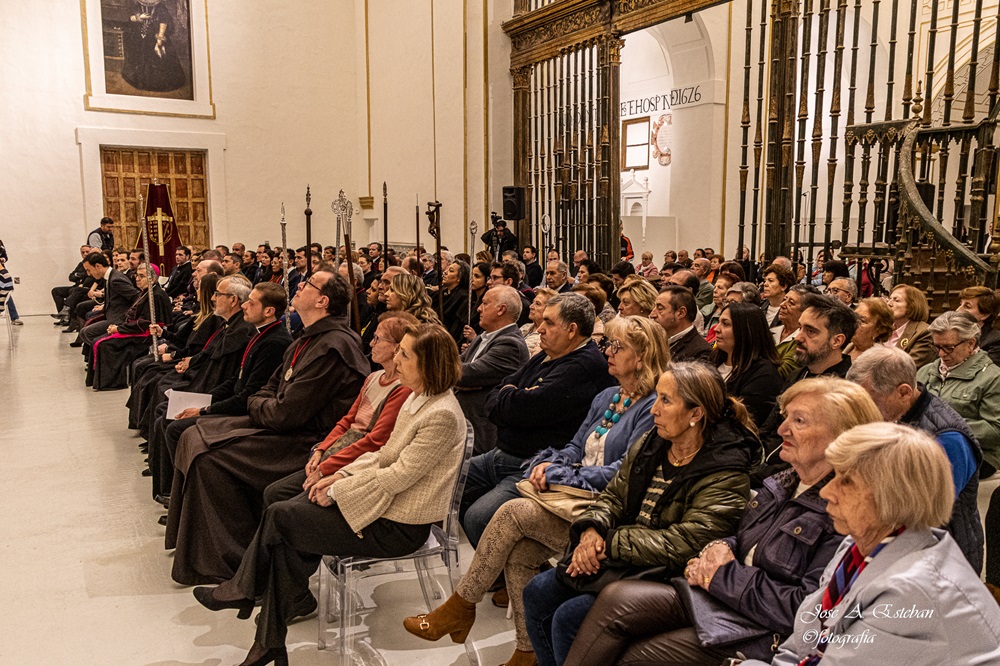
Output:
[[417, 213], [546, 227], [309, 227], [385, 226], [150, 279], [473, 228], [284, 244], [434, 228], [344, 210]]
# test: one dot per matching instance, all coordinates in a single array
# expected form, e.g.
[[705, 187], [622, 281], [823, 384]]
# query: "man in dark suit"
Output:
[[179, 277], [67, 297], [500, 351], [119, 293], [675, 311], [557, 277]]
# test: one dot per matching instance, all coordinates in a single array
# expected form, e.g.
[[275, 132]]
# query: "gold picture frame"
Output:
[[101, 50]]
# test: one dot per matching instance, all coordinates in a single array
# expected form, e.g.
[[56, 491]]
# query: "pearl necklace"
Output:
[[612, 414]]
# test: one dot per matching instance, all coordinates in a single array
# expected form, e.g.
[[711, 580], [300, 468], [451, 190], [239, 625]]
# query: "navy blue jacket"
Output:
[[545, 402]]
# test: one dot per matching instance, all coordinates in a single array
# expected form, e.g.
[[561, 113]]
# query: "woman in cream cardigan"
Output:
[[380, 505]]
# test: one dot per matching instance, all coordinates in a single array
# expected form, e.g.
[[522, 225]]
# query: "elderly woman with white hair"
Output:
[[898, 590], [966, 378]]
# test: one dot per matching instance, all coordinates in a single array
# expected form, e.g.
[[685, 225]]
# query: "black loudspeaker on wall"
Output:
[[513, 203]]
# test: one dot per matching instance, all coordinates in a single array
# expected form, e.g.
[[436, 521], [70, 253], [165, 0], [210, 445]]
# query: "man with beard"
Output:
[[826, 326]]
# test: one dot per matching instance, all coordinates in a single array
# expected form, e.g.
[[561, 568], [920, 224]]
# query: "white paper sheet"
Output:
[[181, 400]]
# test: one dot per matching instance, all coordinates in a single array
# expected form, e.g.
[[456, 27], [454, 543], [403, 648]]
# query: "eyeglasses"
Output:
[[947, 349], [223, 293], [308, 283], [614, 347], [835, 290]]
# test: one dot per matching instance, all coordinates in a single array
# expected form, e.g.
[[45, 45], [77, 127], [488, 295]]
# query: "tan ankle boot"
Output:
[[522, 658], [455, 617]]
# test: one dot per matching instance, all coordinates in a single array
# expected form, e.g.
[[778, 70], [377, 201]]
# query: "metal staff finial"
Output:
[[284, 244], [344, 210], [309, 252]]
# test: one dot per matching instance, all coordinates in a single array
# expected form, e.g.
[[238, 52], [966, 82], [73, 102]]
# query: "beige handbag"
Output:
[[567, 502]]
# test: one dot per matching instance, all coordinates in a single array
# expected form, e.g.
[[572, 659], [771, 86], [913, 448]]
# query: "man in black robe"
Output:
[[206, 370], [262, 310], [110, 357], [224, 464]]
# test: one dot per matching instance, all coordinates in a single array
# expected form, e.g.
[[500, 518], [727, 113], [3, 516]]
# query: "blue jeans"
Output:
[[492, 481], [11, 309], [553, 614]]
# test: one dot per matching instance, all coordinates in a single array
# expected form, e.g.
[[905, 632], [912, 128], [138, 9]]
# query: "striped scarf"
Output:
[[850, 567]]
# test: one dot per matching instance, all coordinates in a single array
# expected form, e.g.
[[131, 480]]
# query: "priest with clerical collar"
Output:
[[221, 462]]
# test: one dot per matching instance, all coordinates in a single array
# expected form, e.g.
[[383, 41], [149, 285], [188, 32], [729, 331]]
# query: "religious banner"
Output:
[[163, 237]]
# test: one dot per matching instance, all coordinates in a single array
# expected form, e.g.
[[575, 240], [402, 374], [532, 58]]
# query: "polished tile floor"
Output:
[[83, 573]]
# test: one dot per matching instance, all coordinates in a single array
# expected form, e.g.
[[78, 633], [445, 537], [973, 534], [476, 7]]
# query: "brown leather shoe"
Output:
[[455, 617], [522, 658], [500, 598]]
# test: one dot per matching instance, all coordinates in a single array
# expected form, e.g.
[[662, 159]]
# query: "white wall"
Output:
[[291, 96]]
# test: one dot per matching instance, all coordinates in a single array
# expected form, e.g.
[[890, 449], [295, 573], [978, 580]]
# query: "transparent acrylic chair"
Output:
[[339, 601]]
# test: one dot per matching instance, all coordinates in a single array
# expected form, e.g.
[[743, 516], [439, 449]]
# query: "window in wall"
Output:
[[127, 172], [635, 143]]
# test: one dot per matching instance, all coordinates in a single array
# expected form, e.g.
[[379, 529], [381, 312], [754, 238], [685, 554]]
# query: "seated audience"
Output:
[[910, 311], [825, 327], [232, 264], [216, 363], [525, 532], [965, 378], [701, 267], [891, 490], [532, 338], [506, 274], [647, 268], [636, 298], [744, 292], [745, 356], [741, 591], [982, 303], [109, 359], [543, 402], [585, 269], [874, 326], [361, 513], [595, 295], [675, 311], [497, 353], [680, 486], [67, 297], [890, 377], [119, 294], [263, 354], [223, 464]]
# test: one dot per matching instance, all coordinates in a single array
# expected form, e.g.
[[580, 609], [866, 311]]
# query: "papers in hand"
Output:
[[181, 400]]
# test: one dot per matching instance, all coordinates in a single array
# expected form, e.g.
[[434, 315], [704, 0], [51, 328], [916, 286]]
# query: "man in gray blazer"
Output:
[[119, 294], [500, 351]]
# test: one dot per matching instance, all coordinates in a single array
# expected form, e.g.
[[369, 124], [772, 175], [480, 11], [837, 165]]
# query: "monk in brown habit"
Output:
[[224, 464]]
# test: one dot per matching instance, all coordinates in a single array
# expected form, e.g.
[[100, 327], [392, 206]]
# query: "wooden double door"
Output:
[[126, 171]]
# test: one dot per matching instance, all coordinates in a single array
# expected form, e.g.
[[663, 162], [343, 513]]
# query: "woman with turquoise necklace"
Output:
[[523, 534]]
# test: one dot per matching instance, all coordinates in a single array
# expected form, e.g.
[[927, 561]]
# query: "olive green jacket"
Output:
[[973, 390], [705, 501]]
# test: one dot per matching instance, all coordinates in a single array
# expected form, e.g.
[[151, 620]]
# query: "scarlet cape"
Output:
[[223, 464]]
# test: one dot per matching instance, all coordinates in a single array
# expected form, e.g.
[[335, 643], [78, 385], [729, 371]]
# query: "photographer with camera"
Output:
[[499, 239]]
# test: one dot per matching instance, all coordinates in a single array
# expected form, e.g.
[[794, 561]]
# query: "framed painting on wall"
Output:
[[148, 57]]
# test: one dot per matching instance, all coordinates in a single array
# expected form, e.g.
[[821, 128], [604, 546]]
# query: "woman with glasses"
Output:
[[522, 534], [909, 312], [746, 358], [966, 378]]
